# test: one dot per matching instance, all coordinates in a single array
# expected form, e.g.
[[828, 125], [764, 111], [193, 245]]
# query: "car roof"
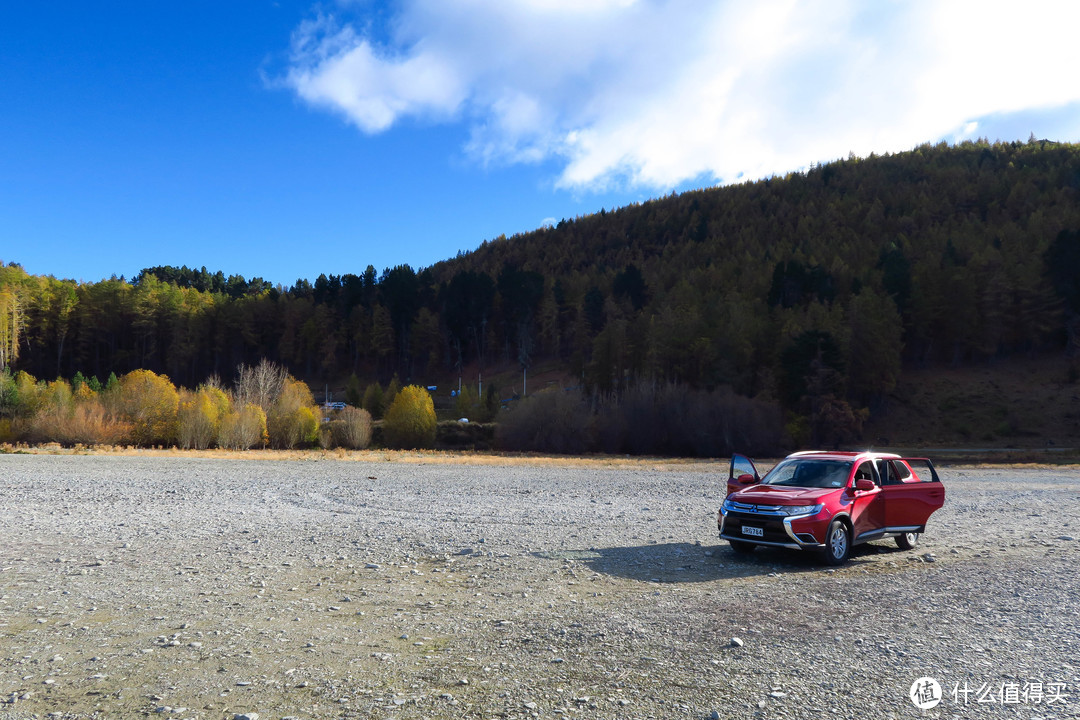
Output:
[[843, 455]]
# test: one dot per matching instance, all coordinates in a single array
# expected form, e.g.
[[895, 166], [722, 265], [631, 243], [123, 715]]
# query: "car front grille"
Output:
[[756, 509], [772, 527]]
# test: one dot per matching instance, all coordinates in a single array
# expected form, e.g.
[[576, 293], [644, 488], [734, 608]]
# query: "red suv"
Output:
[[829, 501]]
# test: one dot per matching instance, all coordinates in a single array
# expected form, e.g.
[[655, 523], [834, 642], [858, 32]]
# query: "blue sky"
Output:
[[287, 139]]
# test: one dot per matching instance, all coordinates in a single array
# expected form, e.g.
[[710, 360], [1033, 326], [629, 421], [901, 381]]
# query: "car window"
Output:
[[865, 471], [802, 472], [901, 470], [741, 465]]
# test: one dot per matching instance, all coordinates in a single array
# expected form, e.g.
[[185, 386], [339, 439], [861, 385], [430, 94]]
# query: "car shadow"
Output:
[[690, 563]]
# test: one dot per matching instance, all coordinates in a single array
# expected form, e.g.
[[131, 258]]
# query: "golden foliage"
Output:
[[410, 421], [243, 430], [199, 417], [292, 421], [149, 402]]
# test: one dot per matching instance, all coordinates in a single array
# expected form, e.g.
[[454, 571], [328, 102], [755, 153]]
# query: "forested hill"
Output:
[[817, 285]]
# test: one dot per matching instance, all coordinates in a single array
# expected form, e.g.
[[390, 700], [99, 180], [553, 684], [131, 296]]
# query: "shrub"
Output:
[[292, 420], [199, 417], [92, 424], [476, 407], [670, 419], [7, 432], [373, 400], [353, 394], [410, 421], [391, 393], [665, 419], [262, 385], [465, 403], [353, 428], [53, 408], [243, 430], [84, 393], [454, 435], [552, 421], [9, 394], [149, 402], [27, 394]]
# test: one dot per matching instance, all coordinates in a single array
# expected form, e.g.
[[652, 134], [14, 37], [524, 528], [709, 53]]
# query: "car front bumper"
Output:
[[800, 532]]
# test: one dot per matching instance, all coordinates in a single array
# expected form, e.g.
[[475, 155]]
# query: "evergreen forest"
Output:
[[812, 293]]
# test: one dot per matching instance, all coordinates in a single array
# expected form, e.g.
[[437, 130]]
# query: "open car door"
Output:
[[740, 467], [913, 491]]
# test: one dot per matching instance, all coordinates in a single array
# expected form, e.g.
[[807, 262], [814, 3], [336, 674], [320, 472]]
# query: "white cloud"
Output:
[[657, 92]]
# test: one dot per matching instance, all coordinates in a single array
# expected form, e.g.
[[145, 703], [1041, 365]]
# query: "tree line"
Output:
[[811, 290]]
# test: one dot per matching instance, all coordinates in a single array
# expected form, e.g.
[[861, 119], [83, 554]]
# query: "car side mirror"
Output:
[[746, 479], [864, 484]]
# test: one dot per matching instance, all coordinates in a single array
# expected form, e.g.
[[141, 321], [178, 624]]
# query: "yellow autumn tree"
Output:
[[410, 421], [292, 420], [244, 429], [200, 415], [149, 402]]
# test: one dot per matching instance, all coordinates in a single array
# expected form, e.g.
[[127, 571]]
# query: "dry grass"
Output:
[[418, 457]]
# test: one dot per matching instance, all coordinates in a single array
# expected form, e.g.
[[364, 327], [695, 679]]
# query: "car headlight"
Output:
[[800, 510], [727, 507]]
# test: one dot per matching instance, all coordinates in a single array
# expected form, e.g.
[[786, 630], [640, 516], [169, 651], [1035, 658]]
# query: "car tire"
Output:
[[837, 543], [743, 548], [906, 541]]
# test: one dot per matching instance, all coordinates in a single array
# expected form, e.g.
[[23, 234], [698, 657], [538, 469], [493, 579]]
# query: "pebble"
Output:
[[509, 631]]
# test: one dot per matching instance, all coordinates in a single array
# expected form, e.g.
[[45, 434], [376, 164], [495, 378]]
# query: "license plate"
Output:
[[756, 532]]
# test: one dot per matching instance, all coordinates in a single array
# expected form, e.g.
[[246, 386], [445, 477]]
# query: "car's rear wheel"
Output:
[[906, 541], [837, 543], [743, 548]]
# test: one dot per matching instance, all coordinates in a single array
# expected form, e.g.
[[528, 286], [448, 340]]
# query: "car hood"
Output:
[[781, 495]]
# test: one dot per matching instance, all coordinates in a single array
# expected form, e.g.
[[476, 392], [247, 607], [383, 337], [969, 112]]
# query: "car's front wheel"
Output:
[[743, 548], [837, 543], [906, 541]]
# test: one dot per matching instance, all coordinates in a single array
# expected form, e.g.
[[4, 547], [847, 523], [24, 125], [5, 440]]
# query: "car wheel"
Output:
[[906, 541], [837, 543], [743, 548]]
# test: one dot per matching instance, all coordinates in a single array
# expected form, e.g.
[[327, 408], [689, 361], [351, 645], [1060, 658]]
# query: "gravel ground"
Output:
[[214, 588]]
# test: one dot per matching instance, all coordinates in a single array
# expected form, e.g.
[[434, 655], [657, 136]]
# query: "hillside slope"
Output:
[[817, 292]]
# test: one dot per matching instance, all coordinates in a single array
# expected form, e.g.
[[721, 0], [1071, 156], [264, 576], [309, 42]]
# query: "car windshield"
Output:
[[803, 472]]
